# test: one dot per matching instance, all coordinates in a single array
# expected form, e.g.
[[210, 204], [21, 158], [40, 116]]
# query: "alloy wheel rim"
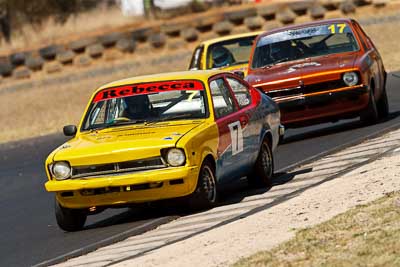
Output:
[[266, 160], [209, 184]]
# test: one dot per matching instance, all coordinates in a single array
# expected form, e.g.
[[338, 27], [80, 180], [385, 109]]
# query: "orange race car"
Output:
[[319, 72]]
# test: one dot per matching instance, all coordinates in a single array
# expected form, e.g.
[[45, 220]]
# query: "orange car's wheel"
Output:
[[263, 168], [206, 193], [70, 219], [383, 105], [370, 114]]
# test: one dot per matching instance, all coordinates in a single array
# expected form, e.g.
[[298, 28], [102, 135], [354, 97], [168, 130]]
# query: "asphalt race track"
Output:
[[30, 234]]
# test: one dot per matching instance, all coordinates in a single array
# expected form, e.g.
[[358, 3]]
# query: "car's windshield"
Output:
[[303, 43], [229, 53], [146, 103]]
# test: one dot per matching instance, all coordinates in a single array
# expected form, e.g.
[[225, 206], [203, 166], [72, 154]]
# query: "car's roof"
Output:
[[230, 37], [168, 76], [308, 24]]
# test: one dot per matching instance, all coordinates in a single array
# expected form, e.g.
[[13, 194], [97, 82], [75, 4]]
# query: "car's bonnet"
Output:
[[123, 143], [300, 69]]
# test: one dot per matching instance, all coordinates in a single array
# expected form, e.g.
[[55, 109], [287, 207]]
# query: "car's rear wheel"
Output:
[[370, 114], [263, 168], [383, 105], [206, 193], [70, 219]]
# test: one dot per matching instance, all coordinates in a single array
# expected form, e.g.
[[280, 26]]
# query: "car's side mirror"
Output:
[[239, 73], [69, 130]]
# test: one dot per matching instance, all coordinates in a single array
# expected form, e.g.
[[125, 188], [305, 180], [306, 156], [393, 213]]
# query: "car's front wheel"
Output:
[[370, 114], [383, 105], [70, 219], [206, 193], [263, 168]]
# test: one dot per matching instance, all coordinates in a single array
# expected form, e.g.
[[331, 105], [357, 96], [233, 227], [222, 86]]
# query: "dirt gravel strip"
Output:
[[306, 196]]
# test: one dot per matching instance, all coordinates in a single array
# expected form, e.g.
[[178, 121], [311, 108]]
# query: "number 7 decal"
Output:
[[237, 137]]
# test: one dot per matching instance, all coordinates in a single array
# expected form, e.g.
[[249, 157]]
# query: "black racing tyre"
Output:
[[383, 105], [70, 220], [370, 114], [263, 168], [206, 193]]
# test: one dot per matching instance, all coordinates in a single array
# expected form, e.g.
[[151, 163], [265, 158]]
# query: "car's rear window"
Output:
[[303, 43]]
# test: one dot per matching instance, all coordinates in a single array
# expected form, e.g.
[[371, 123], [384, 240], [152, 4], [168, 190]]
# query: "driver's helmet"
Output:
[[221, 57], [137, 107], [280, 50]]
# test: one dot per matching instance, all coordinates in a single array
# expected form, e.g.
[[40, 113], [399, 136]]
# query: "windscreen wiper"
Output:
[[275, 62], [172, 117], [116, 123]]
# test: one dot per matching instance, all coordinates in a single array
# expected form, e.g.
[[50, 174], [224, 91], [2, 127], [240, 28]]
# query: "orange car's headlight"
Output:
[[350, 78]]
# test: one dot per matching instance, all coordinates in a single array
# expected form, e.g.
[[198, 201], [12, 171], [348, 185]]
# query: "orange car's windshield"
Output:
[[303, 43]]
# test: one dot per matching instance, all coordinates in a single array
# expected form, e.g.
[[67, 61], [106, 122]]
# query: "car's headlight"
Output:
[[350, 78], [175, 157], [61, 170]]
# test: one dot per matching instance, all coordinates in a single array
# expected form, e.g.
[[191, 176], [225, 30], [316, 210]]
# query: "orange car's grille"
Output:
[[307, 89], [118, 167]]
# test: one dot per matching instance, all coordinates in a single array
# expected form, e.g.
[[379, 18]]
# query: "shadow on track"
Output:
[[231, 194], [347, 126]]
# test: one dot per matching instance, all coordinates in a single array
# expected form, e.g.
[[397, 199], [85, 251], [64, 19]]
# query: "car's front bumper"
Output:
[[125, 188], [298, 108]]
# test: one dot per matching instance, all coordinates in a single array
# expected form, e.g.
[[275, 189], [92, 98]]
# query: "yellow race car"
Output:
[[159, 137], [230, 53]]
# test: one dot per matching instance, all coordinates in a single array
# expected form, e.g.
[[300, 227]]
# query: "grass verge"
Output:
[[367, 235]]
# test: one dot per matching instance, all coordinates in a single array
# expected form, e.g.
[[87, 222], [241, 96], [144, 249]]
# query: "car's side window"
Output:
[[222, 98], [240, 91], [99, 115], [196, 62], [362, 36]]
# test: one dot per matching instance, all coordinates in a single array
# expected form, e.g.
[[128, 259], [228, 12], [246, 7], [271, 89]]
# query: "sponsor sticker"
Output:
[[147, 88], [325, 29]]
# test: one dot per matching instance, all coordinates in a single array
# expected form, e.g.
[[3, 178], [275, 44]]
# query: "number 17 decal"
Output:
[[339, 26], [237, 137]]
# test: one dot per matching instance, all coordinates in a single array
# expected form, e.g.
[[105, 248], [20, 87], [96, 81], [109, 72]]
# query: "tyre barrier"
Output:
[[50, 52], [22, 73], [34, 62], [254, 23], [95, 50], [190, 34], [158, 40], [317, 12], [126, 45], [53, 67], [18, 59], [171, 35], [286, 16], [65, 56], [223, 27]]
